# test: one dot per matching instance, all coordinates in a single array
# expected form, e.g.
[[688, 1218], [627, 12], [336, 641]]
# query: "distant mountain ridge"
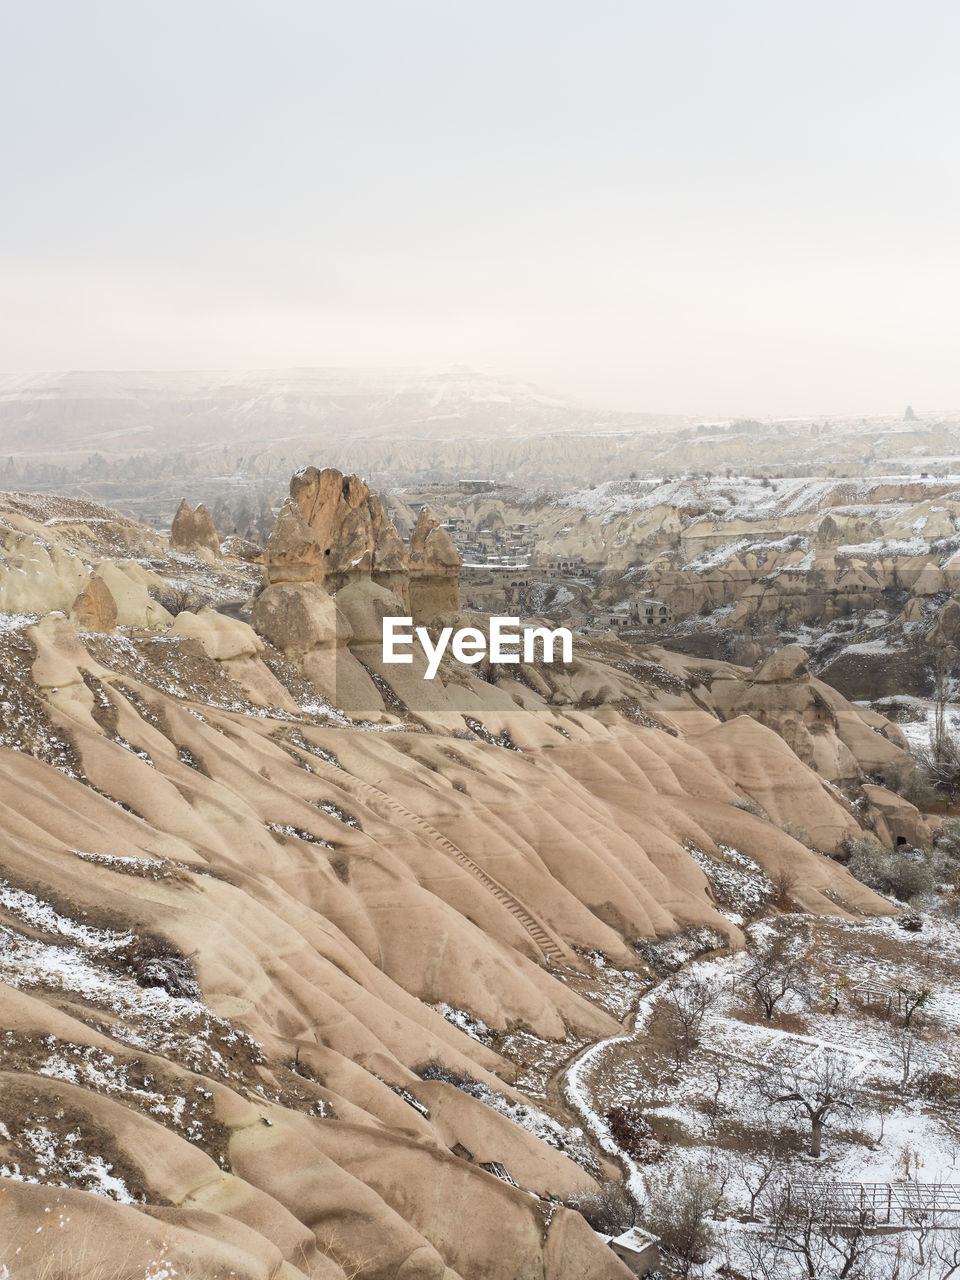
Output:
[[127, 412], [143, 440]]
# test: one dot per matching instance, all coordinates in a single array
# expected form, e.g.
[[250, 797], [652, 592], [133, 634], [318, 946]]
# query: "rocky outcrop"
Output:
[[332, 531], [331, 890], [434, 570], [293, 552], [898, 821], [221, 638], [131, 586], [331, 887], [351, 531], [296, 617], [819, 725], [193, 530], [236, 648], [789, 665], [241, 549], [95, 609], [70, 556], [335, 567], [302, 620]]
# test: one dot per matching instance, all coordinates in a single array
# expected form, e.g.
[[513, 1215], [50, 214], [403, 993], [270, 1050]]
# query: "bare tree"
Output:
[[756, 1169], [883, 1107], [688, 1000], [820, 1086], [713, 1105], [833, 991], [608, 1208], [942, 760], [924, 1253], [941, 745], [679, 1208], [785, 880], [777, 969], [808, 1233], [803, 1236], [668, 1024], [946, 1252], [905, 1052]]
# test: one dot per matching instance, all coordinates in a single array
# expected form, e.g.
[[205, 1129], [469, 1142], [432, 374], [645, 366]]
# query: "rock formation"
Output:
[[194, 530], [860, 562], [434, 568], [818, 724], [293, 552], [332, 531], [335, 566], [326, 905], [241, 549], [351, 529], [51, 549], [95, 608]]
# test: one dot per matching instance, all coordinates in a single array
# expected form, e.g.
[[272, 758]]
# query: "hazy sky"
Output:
[[702, 206]]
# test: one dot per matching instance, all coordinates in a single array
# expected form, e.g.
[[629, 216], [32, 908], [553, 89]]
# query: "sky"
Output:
[[712, 207]]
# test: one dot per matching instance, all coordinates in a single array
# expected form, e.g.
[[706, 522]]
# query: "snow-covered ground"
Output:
[[708, 1113], [16, 621], [920, 729], [740, 497]]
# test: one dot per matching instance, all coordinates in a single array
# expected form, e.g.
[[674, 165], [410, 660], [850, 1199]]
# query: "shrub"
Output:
[[948, 908], [916, 785], [905, 874], [938, 1087], [633, 1134], [678, 1210], [801, 834], [154, 961], [608, 1209], [436, 1070], [785, 882], [749, 805], [179, 598], [867, 862], [910, 877], [918, 788], [948, 840]]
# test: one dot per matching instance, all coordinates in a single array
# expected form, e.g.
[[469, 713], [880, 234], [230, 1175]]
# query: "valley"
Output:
[[313, 967]]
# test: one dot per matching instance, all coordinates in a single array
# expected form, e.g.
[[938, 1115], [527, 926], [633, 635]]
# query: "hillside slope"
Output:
[[285, 989]]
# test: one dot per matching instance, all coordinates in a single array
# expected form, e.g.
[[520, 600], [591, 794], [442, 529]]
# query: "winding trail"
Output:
[[576, 1094]]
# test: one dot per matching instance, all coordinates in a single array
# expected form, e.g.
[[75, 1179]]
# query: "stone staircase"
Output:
[[389, 808]]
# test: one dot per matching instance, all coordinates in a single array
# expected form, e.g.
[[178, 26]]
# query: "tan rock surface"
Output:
[[198, 807], [434, 566], [293, 553], [95, 608], [350, 525], [193, 530], [337, 938]]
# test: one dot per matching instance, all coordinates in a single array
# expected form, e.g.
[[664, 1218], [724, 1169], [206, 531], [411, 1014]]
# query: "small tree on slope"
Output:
[[777, 969]]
